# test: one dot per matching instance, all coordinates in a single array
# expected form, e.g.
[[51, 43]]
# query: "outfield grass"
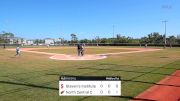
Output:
[[34, 77]]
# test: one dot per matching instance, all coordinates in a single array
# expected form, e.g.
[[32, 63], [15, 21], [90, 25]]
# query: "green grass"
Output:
[[34, 77]]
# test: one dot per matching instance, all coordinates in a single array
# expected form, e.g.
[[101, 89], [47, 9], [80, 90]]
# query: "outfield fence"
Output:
[[126, 44]]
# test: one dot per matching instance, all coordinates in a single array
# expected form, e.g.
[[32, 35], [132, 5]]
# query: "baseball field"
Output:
[[34, 75]]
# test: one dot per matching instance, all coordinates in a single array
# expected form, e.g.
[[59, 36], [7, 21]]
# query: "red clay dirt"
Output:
[[57, 56], [167, 89]]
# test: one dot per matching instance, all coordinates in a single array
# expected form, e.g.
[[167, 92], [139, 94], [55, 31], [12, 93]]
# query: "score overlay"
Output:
[[89, 86]]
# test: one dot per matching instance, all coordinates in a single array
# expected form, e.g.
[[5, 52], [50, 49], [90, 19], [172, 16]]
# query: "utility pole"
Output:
[[113, 31], [165, 21]]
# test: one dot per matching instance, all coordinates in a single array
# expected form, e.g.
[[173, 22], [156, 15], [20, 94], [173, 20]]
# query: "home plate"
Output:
[[75, 57]]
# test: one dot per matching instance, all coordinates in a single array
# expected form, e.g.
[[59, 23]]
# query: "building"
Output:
[[18, 40], [12, 40], [58, 41], [24, 42], [49, 41], [53, 41], [29, 42]]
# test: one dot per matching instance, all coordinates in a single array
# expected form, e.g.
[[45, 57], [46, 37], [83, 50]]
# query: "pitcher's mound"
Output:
[[74, 57]]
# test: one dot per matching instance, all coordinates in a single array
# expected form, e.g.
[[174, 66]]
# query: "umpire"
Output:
[[79, 49]]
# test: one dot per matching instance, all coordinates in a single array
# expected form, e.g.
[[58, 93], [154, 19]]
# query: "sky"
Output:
[[38, 19]]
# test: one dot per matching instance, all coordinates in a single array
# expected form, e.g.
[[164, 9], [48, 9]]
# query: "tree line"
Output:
[[152, 38], [4, 35]]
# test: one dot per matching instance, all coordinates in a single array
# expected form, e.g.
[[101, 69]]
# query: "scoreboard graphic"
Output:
[[89, 86]]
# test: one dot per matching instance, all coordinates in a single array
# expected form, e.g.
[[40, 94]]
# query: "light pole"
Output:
[[165, 21], [166, 7]]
